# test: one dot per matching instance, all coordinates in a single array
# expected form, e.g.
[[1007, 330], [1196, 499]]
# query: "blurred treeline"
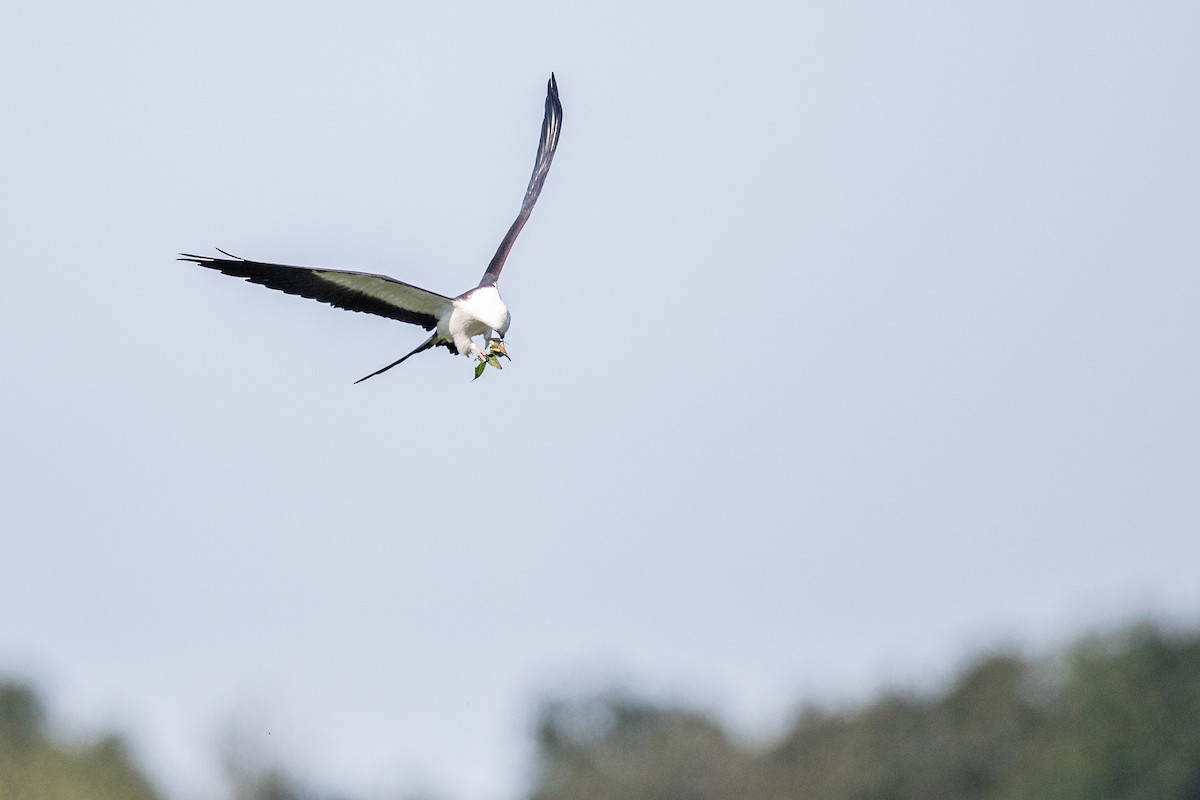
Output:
[[33, 766], [1111, 718]]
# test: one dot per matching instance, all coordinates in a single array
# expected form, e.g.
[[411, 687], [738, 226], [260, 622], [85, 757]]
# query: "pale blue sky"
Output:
[[847, 337]]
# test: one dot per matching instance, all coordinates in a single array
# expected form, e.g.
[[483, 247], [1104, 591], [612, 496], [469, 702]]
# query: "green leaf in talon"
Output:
[[490, 357]]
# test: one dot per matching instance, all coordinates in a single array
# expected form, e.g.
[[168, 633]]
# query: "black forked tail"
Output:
[[428, 343]]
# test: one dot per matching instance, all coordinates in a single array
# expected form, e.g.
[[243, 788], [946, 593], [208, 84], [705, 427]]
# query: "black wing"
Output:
[[551, 125], [354, 291]]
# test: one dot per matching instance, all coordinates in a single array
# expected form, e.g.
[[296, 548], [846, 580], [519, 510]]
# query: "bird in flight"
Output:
[[455, 321]]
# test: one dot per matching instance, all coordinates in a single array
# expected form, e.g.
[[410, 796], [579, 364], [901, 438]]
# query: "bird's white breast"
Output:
[[484, 306], [477, 314]]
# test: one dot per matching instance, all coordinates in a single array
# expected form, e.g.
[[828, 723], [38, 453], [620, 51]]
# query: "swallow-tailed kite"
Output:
[[455, 321]]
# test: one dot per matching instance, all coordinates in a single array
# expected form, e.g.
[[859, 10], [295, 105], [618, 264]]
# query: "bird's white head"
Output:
[[487, 309]]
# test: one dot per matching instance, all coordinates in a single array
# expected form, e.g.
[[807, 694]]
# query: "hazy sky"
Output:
[[847, 337]]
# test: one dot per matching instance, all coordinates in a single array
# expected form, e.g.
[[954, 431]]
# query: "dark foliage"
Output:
[[34, 766], [1114, 718], [1117, 718]]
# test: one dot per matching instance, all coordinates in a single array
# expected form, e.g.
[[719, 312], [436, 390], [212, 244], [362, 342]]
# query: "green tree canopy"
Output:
[[1114, 718], [33, 766]]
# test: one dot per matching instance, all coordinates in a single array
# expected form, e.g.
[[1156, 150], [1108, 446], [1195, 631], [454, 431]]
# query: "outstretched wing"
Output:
[[551, 125], [354, 291]]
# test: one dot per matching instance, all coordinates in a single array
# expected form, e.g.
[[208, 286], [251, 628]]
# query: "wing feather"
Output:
[[547, 144], [353, 291]]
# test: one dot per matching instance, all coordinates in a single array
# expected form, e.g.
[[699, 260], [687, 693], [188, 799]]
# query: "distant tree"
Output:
[[35, 767], [956, 747], [1127, 723], [21, 717], [613, 747], [992, 713], [252, 774], [268, 784], [1116, 718]]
